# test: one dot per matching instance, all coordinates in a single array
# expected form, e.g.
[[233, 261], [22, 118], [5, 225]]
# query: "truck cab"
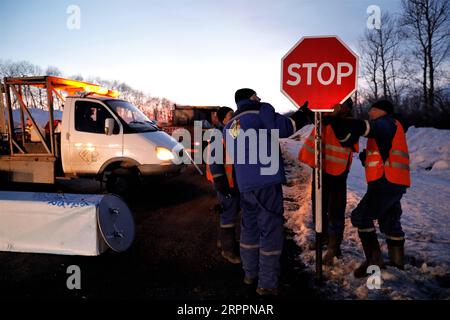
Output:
[[98, 136]]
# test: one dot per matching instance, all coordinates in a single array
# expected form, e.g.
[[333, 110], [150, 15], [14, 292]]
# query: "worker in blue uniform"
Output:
[[260, 184]]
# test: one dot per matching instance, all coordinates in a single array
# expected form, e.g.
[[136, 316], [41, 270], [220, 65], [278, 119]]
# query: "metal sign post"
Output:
[[318, 193], [300, 83]]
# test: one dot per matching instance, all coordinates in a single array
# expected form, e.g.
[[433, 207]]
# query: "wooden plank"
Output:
[[51, 123], [10, 118], [22, 118], [17, 145], [2, 111]]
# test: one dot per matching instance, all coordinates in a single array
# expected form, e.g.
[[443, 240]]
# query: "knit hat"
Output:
[[384, 105], [242, 94], [222, 113]]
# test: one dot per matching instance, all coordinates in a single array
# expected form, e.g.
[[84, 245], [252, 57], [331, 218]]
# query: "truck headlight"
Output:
[[164, 154]]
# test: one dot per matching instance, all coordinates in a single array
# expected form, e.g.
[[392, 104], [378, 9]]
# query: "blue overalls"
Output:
[[261, 195]]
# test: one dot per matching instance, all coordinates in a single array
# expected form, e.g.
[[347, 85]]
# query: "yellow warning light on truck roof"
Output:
[[71, 87], [101, 91], [74, 86], [67, 85]]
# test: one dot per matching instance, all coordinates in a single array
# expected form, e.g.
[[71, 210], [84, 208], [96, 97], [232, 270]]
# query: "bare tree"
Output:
[[388, 39], [152, 106], [53, 71], [22, 69], [370, 54], [428, 23], [380, 58]]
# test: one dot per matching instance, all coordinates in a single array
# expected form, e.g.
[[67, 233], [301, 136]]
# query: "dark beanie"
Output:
[[222, 113], [242, 94], [385, 105]]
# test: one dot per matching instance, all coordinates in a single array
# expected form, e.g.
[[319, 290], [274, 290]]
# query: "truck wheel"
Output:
[[122, 182]]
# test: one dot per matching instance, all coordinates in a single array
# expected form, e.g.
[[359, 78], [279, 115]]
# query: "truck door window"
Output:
[[91, 116]]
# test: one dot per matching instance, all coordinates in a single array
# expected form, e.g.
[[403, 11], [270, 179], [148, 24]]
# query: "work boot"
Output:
[[249, 281], [231, 257], [372, 252], [396, 250], [227, 239], [333, 250], [312, 244], [267, 291]]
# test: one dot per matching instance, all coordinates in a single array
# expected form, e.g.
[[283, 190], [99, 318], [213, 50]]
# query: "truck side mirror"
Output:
[[109, 126]]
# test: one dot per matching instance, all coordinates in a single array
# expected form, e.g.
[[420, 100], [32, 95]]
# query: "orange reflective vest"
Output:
[[228, 168], [336, 158], [396, 167]]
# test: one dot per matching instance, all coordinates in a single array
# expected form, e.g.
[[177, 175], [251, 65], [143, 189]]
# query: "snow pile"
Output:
[[425, 221], [430, 149]]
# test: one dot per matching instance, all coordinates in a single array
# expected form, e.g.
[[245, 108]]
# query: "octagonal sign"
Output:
[[321, 70]]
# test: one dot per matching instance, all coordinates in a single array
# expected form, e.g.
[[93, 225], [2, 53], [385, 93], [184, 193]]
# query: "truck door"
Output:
[[89, 146]]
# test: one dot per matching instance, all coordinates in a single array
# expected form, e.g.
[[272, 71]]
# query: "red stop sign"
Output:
[[320, 70]]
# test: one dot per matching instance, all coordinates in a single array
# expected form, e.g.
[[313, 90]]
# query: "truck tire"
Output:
[[122, 181]]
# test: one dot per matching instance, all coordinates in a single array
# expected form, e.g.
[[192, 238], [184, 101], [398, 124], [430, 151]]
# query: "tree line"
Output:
[[407, 60], [155, 108]]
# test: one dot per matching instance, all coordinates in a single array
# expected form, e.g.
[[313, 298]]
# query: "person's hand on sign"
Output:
[[308, 113], [337, 109], [302, 116], [304, 107]]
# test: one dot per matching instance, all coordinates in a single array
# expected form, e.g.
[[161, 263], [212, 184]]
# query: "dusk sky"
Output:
[[191, 52]]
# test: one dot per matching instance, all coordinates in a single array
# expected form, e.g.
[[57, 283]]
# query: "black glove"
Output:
[[362, 157], [221, 185], [301, 117], [309, 114], [304, 107]]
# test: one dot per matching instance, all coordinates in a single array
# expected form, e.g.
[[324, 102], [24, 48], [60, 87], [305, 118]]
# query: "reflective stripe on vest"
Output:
[[228, 167], [336, 157], [396, 167]]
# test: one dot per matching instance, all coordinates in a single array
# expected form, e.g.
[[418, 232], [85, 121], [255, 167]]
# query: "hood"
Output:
[[161, 139]]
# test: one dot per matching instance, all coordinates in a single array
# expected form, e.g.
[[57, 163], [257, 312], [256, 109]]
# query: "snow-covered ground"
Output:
[[425, 220]]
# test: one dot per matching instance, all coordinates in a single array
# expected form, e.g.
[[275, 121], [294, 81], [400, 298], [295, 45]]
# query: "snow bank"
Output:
[[425, 221], [430, 149]]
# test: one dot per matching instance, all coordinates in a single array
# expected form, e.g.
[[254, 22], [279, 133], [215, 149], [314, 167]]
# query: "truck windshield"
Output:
[[132, 116]]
